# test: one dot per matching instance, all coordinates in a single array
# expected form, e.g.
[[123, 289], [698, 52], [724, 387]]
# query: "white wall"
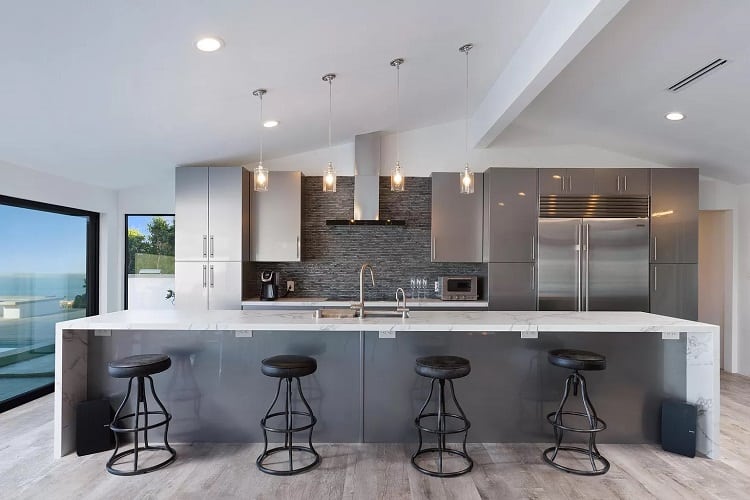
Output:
[[21, 182], [440, 148]]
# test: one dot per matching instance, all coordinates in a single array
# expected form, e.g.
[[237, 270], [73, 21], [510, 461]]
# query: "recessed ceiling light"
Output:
[[674, 116], [270, 123], [209, 44]]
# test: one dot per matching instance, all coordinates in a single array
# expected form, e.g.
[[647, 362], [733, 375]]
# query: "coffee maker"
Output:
[[269, 285]]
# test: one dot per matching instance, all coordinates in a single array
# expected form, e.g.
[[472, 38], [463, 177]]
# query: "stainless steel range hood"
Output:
[[366, 185]]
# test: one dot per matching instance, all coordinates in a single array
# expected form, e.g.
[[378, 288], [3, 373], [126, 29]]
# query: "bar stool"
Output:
[[288, 367], [577, 361], [440, 369], [140, 368]]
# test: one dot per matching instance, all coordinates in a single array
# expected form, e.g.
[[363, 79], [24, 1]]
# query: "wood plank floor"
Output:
[[373, 471]]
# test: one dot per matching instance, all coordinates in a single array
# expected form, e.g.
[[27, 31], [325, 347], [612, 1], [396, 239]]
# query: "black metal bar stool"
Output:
[[577, 361], [440, 369], [140, 368], [289, 368]]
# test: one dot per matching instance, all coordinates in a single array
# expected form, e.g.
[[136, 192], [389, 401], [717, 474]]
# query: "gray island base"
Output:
[[366, 390]]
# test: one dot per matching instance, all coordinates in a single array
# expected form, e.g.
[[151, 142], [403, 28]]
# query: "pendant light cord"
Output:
[[466, 125], [261, 129], [398, 113], [330, 109]]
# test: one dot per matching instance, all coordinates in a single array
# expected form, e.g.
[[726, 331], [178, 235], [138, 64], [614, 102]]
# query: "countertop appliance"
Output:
[[593, 254], [269, 285], [458, 288]]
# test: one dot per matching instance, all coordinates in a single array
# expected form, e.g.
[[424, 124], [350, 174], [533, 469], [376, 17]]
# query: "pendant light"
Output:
[[466, 177], [260, 175], [397, 177], [329, 176]]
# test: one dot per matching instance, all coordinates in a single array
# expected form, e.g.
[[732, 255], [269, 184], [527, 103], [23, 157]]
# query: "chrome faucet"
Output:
[[360, 306]]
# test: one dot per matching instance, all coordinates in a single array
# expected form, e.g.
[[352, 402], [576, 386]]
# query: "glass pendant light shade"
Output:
[[397, 178], [329, 179], [467, 180], [260, 178], [329, 176], [260, 174]]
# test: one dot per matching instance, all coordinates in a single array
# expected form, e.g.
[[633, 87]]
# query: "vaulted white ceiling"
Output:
[[113, 92], [613, 94]]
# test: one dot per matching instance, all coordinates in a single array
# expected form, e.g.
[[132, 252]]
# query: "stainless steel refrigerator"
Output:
[[593, 264]]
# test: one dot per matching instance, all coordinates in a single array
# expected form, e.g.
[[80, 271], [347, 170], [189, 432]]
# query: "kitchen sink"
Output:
[[354, 313]]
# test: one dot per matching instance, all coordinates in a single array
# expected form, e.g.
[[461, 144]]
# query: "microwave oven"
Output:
[[458, 288]]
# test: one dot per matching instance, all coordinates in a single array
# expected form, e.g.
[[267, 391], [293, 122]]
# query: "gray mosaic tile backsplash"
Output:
[[333, 255]]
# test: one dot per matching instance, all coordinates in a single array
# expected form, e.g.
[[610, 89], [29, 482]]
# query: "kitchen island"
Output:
[[365, 389]]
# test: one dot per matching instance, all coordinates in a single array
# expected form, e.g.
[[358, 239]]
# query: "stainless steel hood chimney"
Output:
[[366, 185]]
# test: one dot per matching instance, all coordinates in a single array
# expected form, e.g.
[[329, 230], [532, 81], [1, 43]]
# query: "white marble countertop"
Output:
[[313, 302], [435, 321]]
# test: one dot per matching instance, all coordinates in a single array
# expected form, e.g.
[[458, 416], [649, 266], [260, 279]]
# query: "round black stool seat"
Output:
[[288, 366], [139, 365], [443, 367], [577, 360]]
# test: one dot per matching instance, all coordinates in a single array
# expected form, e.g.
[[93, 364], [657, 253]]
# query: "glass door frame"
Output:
[[92, 275]]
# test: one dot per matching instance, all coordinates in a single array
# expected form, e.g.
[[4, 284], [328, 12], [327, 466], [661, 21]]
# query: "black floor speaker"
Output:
[[92, 427], [678, 427]]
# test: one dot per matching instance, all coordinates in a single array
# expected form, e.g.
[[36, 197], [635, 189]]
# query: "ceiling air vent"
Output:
[[691, 78]]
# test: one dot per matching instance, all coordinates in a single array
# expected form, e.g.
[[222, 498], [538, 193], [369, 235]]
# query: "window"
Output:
[[48, 273], [149, 261]]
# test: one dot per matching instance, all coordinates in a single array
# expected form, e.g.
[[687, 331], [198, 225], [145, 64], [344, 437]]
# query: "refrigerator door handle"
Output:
[[578, 267], [533, 277], [586, 283]]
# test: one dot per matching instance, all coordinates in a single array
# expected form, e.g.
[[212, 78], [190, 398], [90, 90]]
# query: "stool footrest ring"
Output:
[[600, 424]]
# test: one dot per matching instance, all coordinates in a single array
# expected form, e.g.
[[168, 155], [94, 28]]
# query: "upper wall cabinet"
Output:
[[456, 219], [510, 214], [622, 181], [567, 181], [674, 215], [277, 219], [211, 213]]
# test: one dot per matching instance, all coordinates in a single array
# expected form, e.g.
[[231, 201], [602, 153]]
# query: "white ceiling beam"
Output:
[[562, 31]]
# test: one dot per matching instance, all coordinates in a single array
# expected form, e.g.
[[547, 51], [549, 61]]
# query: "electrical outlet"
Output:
[[290, 286]]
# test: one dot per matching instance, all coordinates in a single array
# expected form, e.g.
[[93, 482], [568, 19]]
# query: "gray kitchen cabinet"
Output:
[[674, 215], [277, 220], [622, 181], [566, 181], [211, 213], [510, 214], [512, 286], [456, 219], [212, 233], [674, 290], [191, 214], [191, 285]]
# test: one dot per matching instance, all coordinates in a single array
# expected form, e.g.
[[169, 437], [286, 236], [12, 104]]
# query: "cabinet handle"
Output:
[[533, 247], [570, 183], [212, 277], [654, 278], [533, 277], [562, 183], [204, 245], [654, 248], [626, 182], [211, 247], [204, 276], [618, 185], [434, 240]]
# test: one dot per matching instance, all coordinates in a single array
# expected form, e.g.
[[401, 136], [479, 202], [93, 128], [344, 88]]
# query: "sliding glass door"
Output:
[[48, 273]]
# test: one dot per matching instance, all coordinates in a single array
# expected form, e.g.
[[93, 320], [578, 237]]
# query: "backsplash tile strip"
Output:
[[333, 255]]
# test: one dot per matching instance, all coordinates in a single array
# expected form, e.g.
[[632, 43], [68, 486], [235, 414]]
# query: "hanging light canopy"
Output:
[[397, 177], [329, 176], [260, 175], [466, 177]]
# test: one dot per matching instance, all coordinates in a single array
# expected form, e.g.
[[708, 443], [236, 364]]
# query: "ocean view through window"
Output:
[[48, 273]]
